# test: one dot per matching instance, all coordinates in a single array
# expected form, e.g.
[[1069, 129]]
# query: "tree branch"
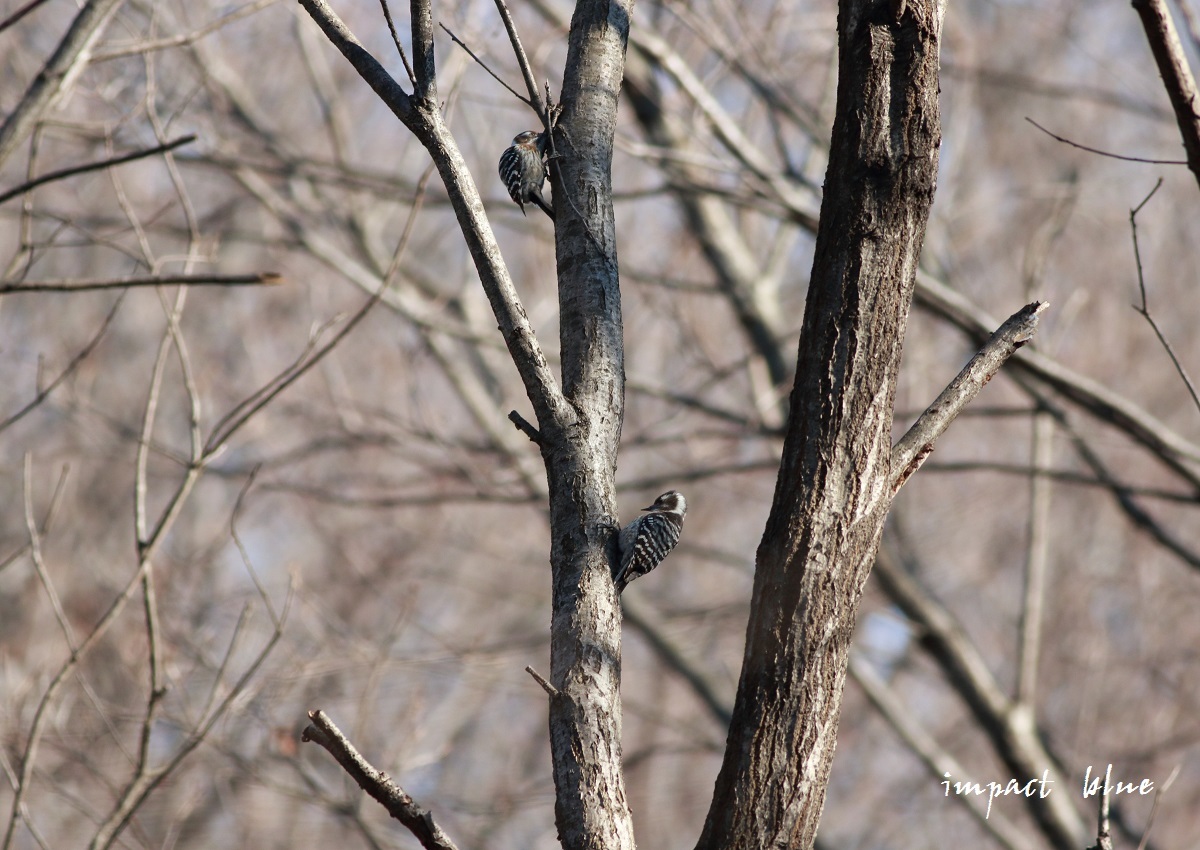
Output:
[[535, 98], [1176, 75], [424, 65], [425, 122], [92, 284], [94, 166], [58, 74], [1144, 309], [391, 796], [1168, 446], [912, 449]]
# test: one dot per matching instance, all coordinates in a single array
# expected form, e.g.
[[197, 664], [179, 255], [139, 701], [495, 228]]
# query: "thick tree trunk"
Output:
[[833, 490]]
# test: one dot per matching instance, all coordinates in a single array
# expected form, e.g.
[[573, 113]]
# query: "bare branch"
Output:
[[1103, 827], [20, 13], [93, 284], [483, 64], [1123, 495], [143, 47], [424, 66], [368, 68], [70, 368], [673, 657], [1176, 74], [39, 564], [1144, 309], [381, 788], [1011, 728], [387, 16], [1168, 446], [550, 690], [1158, 795], [524, 427], [535, 98], [937, 759], [100, 165], [426, 124], [912, 449], [1036, 559], [1108, 154], [58, 75]]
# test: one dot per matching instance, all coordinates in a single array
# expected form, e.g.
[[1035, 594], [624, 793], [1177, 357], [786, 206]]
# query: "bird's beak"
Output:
[[648, 509]]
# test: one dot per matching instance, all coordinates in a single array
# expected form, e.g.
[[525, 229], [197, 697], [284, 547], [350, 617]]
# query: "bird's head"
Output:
[[670, 502]]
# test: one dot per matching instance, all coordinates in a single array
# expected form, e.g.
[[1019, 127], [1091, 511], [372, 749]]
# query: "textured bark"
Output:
[[833, 490], [581, 458]]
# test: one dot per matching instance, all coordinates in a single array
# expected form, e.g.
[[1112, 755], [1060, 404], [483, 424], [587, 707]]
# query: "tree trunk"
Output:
[[581, 454], [832, 494]]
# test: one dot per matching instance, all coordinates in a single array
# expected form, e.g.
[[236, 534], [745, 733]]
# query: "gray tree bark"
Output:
[[581, 454], [833, 491]]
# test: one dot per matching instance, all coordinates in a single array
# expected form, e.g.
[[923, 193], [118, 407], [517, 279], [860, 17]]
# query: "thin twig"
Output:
[[39, 563], [483, 64], [673, 657], [1103, 829], [387, 16], [93, 284], [20, 13], [121, 815], [142, 47], [1036, 559], [1158, 793], [531, 85], [550, 690], [937, 759], [311, 355], [1066, 141], [99, 165], [238, 507], [1123, 494], [75, 363], [1144, 310]]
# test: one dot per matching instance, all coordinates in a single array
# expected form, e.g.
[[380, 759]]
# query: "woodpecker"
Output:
[[523, 170], [643, 543]]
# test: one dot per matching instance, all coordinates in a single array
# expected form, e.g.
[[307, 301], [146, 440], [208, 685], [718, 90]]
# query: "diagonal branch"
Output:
[[535, 99], [58, 74], [1100, 401], [1010, 726], [376, 783], [912, 449], [94, 166], [424, 120], [1176, 75]]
